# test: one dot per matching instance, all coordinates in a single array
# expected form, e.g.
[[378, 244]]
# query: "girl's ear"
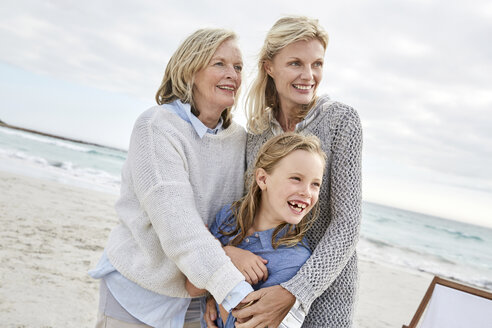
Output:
[[267, 65], [261, 177]]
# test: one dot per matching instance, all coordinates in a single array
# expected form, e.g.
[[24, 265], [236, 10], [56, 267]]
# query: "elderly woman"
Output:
[[185, 162], [283, 98]]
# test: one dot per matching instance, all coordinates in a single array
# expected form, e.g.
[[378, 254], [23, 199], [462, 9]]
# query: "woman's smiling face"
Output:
[[297, 70], [216, 85]]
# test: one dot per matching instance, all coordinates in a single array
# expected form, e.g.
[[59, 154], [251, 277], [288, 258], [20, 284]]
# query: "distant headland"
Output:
[[5, 125]]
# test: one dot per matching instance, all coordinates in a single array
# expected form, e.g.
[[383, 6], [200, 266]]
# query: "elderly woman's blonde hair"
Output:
[[191, 56], [262, 99]]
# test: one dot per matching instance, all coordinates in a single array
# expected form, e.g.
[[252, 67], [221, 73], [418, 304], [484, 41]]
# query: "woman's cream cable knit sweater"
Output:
[[173, 183], [326, 284]]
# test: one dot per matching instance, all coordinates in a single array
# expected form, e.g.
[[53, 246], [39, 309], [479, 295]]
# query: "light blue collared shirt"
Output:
[[184, 111], [154, 309]]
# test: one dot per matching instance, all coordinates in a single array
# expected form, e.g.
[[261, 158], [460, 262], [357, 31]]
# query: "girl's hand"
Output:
[[251, 266], [210, 312]]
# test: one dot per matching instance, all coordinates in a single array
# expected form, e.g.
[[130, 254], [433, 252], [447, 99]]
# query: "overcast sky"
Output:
[[418, 72]]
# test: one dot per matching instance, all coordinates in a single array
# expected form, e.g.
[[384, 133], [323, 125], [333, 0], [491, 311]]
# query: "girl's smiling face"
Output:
[[290, 191], [297, 70]]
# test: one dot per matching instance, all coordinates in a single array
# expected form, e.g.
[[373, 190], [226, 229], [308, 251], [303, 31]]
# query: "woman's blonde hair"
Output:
[[245, 209], [262, 97], [191, 56]]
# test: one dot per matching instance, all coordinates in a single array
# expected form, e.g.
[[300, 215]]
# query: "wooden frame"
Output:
[[446, 283]]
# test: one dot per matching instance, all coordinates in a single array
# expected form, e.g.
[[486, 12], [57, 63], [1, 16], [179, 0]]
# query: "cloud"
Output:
[[418, 72]]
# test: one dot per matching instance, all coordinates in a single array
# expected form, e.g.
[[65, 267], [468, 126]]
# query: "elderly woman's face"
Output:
[[216, 85], [297, 71]]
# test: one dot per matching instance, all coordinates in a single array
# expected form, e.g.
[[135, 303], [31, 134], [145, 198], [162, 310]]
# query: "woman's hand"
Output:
[[251, 266], [210, 312], [271, 306]]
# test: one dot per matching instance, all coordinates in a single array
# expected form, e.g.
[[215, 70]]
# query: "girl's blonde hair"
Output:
[[245, 209], [262, 97], [191, 56]]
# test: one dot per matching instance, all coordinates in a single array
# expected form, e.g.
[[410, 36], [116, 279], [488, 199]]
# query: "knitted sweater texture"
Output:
[[326, 284], [173, 183]]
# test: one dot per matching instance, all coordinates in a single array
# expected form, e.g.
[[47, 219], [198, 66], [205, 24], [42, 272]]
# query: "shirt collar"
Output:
[[184, 111], [265, 237]]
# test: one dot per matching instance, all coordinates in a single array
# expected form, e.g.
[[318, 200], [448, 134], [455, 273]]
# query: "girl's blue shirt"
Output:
[[283, 262]]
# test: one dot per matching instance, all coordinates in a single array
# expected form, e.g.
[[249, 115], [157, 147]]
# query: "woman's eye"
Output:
[[219, 64], [295, 63], [318, 64], [295, 178], [238, 68], [317, 184]]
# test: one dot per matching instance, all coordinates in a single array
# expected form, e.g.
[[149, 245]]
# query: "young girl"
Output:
[[278, 209]]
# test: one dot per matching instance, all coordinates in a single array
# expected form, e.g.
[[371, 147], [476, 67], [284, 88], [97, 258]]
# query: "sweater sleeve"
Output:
[[160, 175], [344, 201]]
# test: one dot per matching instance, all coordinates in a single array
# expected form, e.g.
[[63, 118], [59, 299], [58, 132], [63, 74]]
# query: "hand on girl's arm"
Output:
[[269, 309], [251, 266], [193, 290], [211, 314]]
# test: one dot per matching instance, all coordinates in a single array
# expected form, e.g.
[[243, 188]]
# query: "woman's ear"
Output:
[[261, 178], [267, 66]]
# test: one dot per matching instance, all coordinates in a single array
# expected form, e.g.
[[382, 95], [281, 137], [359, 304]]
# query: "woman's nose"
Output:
[[307, 73], [231, 73]]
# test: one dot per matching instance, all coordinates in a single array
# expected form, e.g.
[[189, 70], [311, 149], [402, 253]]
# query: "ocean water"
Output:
[[447, 248], [394, 236], [64, 161]]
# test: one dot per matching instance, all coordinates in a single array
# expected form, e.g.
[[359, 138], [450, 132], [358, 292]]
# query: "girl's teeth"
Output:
[[298, 207], [301, 205], [302, 87]]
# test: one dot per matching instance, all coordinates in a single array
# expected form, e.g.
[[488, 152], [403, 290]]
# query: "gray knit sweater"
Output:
[[326, 284]]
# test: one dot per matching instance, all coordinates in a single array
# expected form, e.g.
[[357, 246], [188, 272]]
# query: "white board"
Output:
[[453, 308]]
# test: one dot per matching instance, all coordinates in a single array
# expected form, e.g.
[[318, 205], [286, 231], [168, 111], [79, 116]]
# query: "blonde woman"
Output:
[[283, 98], [185, 162]]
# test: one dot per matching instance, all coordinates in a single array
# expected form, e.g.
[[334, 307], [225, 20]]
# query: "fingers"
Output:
[[251, 323], [248, 279], [261, 271], [265, 271], [271, 305], [210, 323], [210, 313], [240, 320], [253, 296], [255, 272], [252, 275], [244, 313]]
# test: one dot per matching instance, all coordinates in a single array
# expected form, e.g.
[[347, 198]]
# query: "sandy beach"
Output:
[[52, 234]]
